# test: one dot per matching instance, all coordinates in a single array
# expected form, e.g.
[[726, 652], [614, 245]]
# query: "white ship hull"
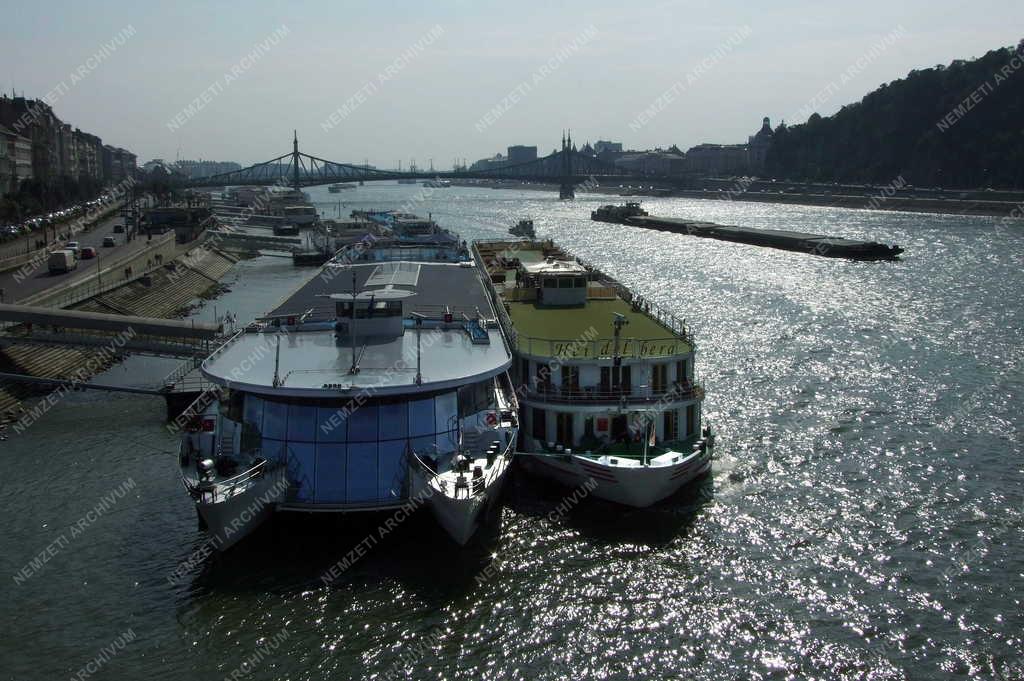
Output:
[[230, 517], [460, 514], [637, 486]]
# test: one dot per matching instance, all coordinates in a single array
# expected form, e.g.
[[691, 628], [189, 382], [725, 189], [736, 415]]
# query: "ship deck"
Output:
[[309, 361], [593, 320], [436, 284], [581, 331]]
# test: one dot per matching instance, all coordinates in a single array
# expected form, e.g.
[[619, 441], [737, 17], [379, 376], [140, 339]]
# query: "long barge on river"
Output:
[[805, 242]]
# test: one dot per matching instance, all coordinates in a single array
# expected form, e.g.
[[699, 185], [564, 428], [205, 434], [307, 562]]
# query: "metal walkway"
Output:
[[144, 335]]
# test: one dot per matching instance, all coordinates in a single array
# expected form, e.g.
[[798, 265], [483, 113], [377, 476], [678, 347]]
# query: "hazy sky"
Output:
[[594, 66]]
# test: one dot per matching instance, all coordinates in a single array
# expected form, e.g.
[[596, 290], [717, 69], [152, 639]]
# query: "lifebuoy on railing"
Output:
[[491, 419]]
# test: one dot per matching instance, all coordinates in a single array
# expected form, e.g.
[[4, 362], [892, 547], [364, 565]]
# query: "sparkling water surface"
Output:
[[863, 518]]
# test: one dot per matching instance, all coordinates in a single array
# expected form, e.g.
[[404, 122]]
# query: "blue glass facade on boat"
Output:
[[344, 453]]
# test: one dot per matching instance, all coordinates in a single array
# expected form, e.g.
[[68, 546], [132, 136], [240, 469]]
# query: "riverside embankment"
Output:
[[161, 280]]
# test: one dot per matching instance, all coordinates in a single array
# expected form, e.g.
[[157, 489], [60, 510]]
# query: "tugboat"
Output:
[[336, 188], [523, 228], [381, 384], [606, 379], [618, 214]]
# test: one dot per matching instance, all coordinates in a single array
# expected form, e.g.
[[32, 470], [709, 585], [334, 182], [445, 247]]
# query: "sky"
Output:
[[385, 82]]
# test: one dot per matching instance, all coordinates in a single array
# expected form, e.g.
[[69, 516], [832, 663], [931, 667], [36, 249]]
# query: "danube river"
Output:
[[863, 518]]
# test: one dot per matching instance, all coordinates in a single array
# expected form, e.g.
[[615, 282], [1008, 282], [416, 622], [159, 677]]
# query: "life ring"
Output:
[[492, 419]]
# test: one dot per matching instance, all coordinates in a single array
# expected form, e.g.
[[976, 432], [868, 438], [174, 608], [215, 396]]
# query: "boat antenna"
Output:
[[277, 363], [419, 326], [619, 321], [648, 433], [354, 369]]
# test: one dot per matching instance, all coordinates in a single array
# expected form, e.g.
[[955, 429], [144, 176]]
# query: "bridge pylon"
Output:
[[566, 188], [295, 160]]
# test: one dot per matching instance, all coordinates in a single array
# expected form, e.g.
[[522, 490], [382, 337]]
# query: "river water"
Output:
[[863, 518]]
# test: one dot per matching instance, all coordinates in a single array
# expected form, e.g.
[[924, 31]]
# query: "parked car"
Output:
[[88, 253], [108, 242]]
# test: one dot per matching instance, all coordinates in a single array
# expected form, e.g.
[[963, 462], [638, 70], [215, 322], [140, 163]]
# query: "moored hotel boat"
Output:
[[606, 380], [379, 384]]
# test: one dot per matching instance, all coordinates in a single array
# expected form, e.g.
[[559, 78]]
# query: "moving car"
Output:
[[88, 253], [62, 261], [108, 242]]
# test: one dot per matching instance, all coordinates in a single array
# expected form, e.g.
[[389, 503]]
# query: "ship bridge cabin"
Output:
[[557, 283], [592, 359]]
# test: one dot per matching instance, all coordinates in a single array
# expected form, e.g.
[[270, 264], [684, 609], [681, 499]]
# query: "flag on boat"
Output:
[[650, 439]]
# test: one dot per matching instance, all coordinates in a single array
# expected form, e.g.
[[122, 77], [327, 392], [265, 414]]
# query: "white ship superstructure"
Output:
[[606, 380], [381, 381]]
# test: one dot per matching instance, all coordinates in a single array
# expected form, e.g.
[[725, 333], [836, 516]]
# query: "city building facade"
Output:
[[55, 149], [197, 169], [521, 154], [17, 152]]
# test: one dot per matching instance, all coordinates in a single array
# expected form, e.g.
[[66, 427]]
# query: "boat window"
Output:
[[369, 309], [253, 412], [362, 424], [301, 423], [392, 469], [331, 424], [231, 405], [300, 455], [540, 424], [421, 417], [670, 428], [330, 473], [475, 398], [361, 482], [681, 371], [565, 282], [275, 420], [446, 419], [393, 421], [580, 282]]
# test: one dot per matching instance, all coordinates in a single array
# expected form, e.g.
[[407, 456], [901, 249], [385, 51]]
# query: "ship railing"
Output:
[[509, 330], [226, 344], [475, 486], [602, 348], [557, 394], [212, 491]]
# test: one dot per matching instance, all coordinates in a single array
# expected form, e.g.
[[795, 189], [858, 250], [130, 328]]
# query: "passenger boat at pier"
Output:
[[606, 380], [382, 383]]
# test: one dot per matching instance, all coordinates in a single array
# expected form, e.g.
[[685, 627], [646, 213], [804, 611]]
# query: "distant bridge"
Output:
[[566, 167]]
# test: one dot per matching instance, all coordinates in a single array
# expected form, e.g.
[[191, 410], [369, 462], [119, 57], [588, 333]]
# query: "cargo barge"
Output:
[[805, 242]]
